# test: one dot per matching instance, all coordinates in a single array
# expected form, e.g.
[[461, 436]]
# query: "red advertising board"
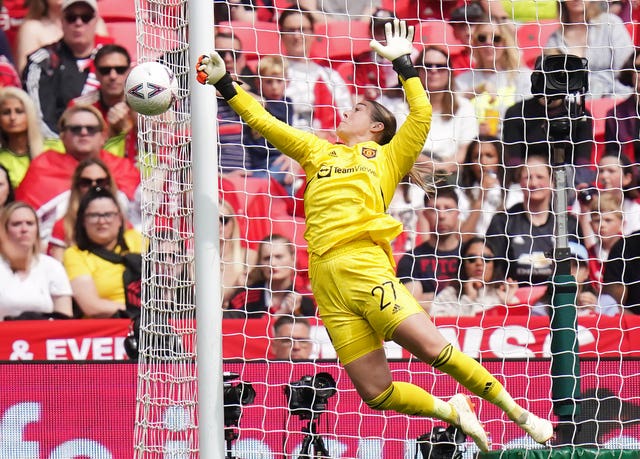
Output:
[[87, 411], [490, 337]]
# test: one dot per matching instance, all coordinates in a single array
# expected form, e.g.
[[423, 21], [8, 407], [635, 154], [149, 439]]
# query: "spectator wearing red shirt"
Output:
[[83, 133]]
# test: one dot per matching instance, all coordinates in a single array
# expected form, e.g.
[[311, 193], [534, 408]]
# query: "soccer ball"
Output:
[[151, 88]]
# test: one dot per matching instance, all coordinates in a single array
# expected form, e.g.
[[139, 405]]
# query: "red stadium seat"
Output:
[[341, 40], [531, 38], [438, 33], [117, 10], [598, 109], [125, 34], [258, 39]]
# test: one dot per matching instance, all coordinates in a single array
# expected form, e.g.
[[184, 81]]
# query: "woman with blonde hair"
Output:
[[32, 284], [235, 257], [454, 124], [20, 135], [42, 26], [498, 78]]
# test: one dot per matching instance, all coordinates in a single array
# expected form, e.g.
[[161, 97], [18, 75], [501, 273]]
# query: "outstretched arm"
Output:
[[408, 142], [292, 142]]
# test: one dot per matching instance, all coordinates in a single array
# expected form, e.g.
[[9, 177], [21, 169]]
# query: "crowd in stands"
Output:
[[482, 243]]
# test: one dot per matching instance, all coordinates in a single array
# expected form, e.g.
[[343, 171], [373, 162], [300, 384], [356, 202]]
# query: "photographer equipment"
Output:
[[307, 398], [441, 443], [586, 195], [565, 77], [234, 396]]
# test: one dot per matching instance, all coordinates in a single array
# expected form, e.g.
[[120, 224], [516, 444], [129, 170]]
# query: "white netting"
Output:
[[487, 318]]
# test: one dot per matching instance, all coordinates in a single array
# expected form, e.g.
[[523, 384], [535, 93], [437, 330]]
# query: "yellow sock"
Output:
[[477, 379], [410, 399]]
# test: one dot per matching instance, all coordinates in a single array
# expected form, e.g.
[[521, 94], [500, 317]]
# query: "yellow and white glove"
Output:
[[399, 38], [210, 68]]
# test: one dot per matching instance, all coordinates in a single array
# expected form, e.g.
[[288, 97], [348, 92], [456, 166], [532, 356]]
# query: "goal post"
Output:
[[179, 386], [204, 141]]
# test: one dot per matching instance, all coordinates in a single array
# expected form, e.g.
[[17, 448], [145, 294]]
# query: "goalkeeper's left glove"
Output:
[[398, 49], [212, 70]]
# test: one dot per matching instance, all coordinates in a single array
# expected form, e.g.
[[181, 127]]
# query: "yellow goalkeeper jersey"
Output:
[[348, 188]]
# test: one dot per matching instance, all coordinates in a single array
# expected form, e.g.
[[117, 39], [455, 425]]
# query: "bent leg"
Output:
[[372, 379], [420, 336]]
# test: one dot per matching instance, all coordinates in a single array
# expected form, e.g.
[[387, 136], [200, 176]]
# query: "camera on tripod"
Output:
[[441, 443], [235, 396], [559, 75], [308, 397], [562, 77]]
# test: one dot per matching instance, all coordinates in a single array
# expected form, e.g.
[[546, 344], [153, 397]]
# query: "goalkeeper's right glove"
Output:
[[212, 70], [398, 49]]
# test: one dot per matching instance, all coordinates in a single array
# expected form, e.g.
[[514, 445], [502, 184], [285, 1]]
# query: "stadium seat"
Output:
[[117, 10], [598, 109], [341, 40], [531, 38], [258, 39], [125, 34], [438, 33]]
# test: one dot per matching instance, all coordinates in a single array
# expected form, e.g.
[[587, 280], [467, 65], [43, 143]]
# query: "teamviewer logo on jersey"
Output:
[[324, 171], [369, 153]]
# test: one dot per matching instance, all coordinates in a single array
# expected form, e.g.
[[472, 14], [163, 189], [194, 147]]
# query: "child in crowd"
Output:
[[606, 223], [266, 160], [589, 300]]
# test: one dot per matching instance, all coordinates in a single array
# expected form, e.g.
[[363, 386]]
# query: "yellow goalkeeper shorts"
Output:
[[359, 297]]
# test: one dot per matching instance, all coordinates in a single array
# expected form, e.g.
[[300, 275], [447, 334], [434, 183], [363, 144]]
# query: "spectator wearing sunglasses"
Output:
[[454, 124], [497, 79], [20, 135], [112, 63], [42, 26], [83, 134], [58, 72], [91, 173], [481, 285]]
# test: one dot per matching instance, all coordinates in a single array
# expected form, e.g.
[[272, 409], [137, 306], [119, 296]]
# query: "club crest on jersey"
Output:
[[369, 153]]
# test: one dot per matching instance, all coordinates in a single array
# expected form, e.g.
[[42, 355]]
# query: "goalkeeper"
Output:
[[360, 300]]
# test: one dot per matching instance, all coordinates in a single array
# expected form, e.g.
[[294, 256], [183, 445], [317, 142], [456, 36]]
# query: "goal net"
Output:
[[530, 195]]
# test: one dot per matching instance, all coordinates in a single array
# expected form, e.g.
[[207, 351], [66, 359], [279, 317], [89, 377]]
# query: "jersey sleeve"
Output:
[[406, 145], [293, 142]]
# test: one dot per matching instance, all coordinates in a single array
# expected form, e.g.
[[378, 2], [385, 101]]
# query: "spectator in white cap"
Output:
[[56, 73], [42, 26]]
